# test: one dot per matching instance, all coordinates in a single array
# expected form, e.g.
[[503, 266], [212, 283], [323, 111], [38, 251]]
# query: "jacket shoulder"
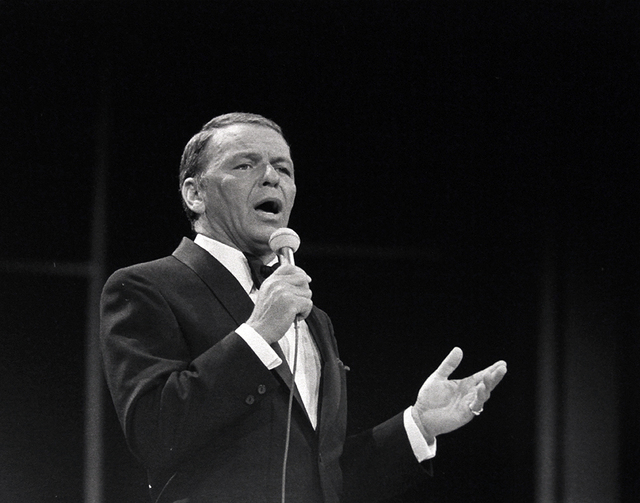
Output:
[[161, 267], [151, 269]]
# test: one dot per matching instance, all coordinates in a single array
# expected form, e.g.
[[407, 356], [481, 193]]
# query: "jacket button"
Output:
[[262, 389], [250, 400]]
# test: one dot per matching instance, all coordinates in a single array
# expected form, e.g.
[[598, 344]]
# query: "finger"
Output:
[[286, 269], [302, 292], [305, 310], [295, 279], [480, 396], [301, 279], [483, 392], [449, 364], [500, 367], [494, 378], [294, 276]]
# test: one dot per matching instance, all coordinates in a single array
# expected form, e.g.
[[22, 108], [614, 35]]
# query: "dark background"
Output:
[[443, 149]]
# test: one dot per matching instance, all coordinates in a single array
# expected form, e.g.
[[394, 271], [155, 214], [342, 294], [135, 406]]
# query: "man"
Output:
[[198, 352]]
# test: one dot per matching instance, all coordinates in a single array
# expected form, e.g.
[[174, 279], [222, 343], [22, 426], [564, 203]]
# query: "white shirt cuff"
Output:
[[260, 347], [421, 449]]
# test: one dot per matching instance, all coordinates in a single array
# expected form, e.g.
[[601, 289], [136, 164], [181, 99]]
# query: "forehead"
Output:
[[238, 139]]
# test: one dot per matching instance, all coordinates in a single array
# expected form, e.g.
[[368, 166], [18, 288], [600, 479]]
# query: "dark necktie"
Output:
[[259, 271]]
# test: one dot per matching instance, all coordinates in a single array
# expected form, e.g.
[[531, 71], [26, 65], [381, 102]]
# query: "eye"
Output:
[[243, 166], [284, 170]]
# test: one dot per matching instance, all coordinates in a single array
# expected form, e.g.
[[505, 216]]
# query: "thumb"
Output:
[[449, 364]]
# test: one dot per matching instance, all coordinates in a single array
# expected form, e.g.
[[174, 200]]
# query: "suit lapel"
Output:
[[285, 374], [231, 295], [220, 281], [284, 370], [321, 341], [330, 380]]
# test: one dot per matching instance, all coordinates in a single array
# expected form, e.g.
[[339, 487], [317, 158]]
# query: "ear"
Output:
[[192, 196]]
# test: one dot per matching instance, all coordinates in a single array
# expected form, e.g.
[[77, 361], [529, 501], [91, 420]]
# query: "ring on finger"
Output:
[[476, 412]]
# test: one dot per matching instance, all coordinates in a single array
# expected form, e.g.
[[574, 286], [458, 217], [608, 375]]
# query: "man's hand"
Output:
[[282, 296], [445, 405]]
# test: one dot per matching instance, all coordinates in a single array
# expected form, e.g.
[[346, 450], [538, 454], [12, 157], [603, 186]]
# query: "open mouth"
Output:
[[270, 206]]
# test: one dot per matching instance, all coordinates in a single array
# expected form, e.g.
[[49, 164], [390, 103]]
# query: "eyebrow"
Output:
[[257, 157]]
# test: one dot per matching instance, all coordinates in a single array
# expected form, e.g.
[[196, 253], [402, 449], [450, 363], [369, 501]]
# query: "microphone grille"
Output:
[[284, 238]]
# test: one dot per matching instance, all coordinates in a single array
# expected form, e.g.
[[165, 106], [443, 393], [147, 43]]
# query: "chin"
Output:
[[260, 240], [264, 231]]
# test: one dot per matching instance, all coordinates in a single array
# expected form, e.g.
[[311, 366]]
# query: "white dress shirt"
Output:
[[308, 367]]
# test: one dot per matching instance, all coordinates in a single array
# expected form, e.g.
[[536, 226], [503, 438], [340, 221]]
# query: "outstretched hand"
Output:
[[445, 405]]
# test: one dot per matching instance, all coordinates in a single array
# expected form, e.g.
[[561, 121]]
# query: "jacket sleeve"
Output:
[[169, 403], [379, 463]]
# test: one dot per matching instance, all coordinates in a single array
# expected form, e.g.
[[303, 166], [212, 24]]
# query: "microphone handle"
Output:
[[285, 256]]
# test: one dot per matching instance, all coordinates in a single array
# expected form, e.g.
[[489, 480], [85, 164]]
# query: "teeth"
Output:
[[268, 206]]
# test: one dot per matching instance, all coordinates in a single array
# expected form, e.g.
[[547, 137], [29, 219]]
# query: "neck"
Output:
[[265, 258]]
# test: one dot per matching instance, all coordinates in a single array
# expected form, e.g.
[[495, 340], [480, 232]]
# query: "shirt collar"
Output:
[[232, 258]]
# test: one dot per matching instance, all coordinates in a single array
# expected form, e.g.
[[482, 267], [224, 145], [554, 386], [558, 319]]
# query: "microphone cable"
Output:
[[289, 412], [284, 243]]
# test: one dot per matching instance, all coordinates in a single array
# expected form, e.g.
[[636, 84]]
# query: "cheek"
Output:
[[289, 189], [231, 196], [291, 196]]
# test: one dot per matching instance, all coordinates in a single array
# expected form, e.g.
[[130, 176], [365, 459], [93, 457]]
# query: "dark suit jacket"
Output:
[[208, 419]]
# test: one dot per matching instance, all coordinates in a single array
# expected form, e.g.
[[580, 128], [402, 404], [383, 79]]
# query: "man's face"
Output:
[[248, 187]]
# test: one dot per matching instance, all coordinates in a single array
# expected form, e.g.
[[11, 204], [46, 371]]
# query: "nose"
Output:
[[270, 176]]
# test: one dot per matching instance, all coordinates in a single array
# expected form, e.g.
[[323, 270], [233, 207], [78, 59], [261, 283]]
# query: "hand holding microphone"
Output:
[[285, 294]]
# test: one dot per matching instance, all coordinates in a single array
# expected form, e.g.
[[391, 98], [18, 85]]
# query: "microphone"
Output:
[[284, 243]]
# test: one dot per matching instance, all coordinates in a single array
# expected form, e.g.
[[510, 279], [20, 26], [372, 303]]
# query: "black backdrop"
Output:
[[440, 147]]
